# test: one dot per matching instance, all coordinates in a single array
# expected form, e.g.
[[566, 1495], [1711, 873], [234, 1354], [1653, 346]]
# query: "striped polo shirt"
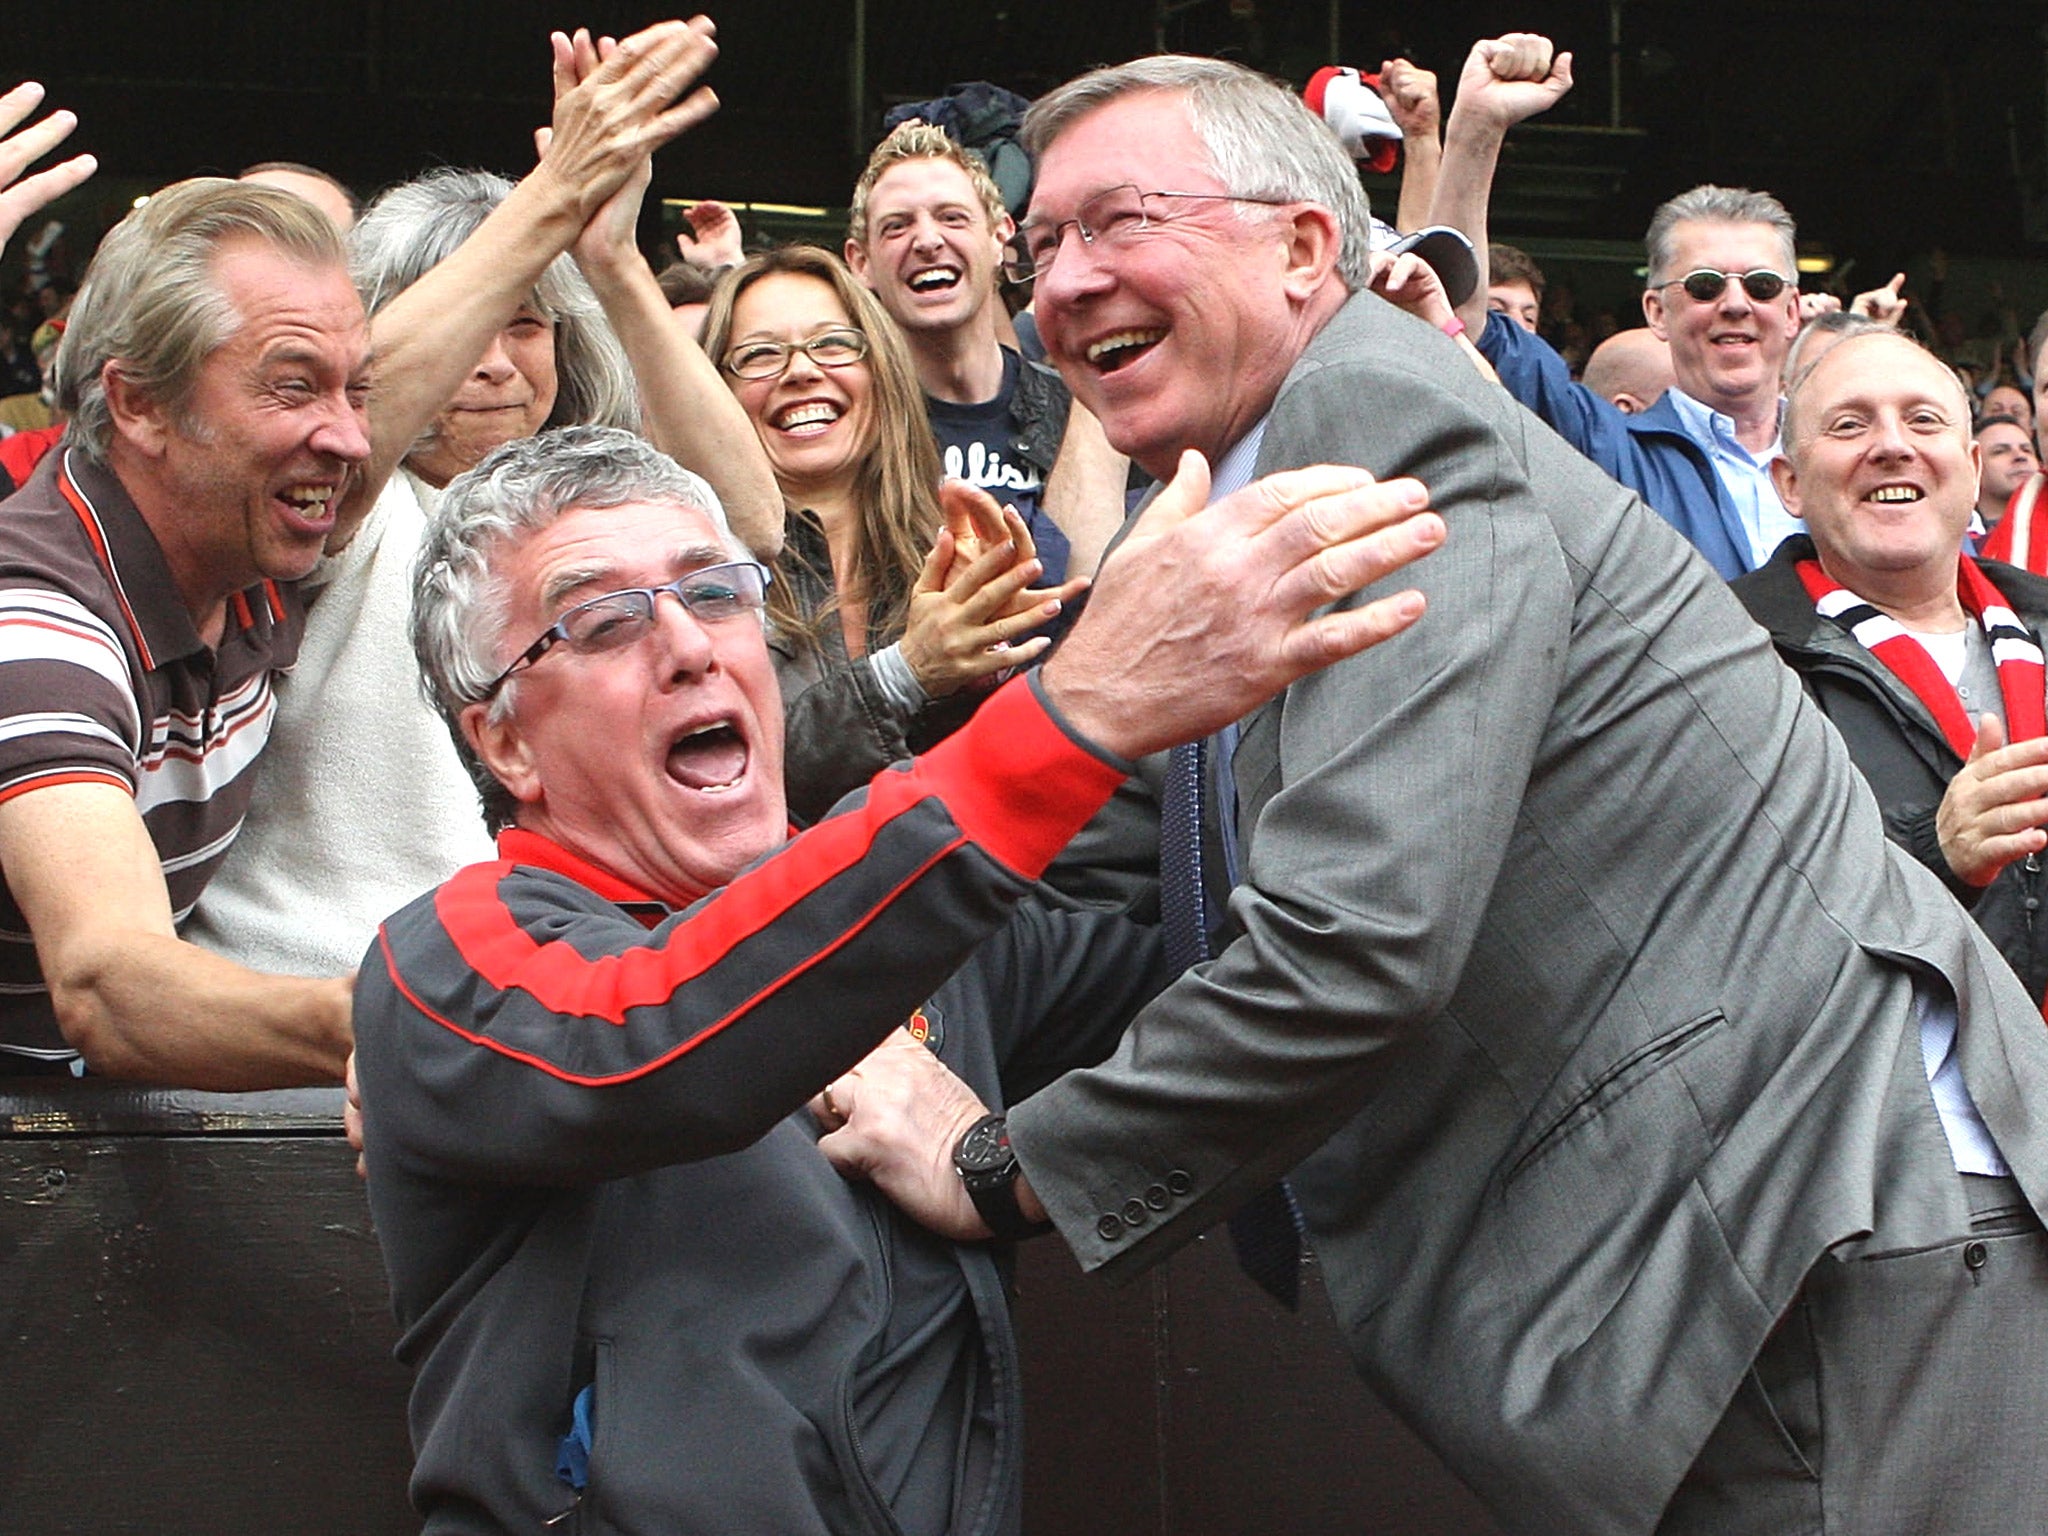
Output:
[[104, 680]]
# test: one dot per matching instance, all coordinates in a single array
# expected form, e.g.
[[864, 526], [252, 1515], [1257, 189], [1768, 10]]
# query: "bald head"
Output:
[[315, 186], [1852, 364], [1631, 368], [1878, 462]]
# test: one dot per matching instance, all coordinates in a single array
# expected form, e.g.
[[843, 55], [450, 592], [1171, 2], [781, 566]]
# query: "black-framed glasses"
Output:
[[839, 347], [1707, 285], [1110, 218], [615, 620]]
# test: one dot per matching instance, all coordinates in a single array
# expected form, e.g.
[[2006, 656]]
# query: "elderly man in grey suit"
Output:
[[1567, 946]]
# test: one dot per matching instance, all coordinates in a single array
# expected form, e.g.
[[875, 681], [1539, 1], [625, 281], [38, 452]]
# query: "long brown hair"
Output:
[[896, 487]]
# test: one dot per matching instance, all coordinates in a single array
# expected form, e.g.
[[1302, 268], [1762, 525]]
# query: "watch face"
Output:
[[985, 1148]]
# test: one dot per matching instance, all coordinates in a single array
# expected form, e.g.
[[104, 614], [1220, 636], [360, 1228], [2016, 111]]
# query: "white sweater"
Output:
[[360, 802]]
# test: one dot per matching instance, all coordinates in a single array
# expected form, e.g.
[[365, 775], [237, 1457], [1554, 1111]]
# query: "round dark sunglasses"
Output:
[[1707, 285]]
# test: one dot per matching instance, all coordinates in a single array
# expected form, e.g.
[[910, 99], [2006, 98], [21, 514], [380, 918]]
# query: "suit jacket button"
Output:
[[1180, 1181], [1135, 1213], [1155, 1197], [1110, 1227]]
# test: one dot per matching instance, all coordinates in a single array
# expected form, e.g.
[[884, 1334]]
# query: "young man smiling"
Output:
[[926, 234]]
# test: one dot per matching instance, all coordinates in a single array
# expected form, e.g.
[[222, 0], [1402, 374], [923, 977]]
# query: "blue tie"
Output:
[[1266, 1231]]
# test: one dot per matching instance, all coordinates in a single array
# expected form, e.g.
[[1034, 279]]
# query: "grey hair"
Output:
[[1710, 204], [1262, 140], [459, 601], [413, 227], [152, 305]]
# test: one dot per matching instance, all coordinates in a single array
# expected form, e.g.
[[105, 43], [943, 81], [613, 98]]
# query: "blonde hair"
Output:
[[921, 141]]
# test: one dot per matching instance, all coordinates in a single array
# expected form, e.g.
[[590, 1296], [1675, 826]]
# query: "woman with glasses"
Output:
[[887, 628]]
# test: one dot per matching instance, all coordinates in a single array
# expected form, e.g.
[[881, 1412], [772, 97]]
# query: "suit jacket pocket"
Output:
[[1613, 1085]]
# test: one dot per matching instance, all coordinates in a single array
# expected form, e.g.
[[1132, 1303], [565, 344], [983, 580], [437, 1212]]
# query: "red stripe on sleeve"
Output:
[[563, 982], [1014, 782], [1017, 784], [73, 776]]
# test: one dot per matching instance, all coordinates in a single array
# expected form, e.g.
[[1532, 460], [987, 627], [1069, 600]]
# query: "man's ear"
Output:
[[1792, 320], [1977, 469], [857, 258], [1314, 240], [1786, 479], [1653, 312], [501, 747], [139, 419]]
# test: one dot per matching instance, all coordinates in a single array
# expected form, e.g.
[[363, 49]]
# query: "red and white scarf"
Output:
[[2020, 672], [2017, 540]]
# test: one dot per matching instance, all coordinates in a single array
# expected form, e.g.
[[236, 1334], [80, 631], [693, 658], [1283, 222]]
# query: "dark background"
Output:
[[1892, 130]]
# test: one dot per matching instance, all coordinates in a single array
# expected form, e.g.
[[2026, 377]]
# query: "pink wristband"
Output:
[[1453, 327]]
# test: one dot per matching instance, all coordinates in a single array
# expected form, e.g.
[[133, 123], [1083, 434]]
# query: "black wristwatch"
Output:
[[988, 1168]]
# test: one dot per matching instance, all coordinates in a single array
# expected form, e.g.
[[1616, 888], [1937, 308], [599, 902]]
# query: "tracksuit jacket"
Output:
[[589, 1170]]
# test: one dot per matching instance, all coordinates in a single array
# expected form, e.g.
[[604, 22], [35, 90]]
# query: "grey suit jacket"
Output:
[[1569, 926]]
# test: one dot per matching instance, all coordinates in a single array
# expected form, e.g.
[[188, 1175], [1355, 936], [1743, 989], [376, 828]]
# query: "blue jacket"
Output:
[[1650, 454]]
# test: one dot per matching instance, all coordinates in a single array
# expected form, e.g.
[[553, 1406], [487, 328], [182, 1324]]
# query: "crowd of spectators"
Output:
[[273, 450]]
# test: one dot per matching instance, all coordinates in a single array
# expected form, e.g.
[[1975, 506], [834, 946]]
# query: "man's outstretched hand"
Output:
[[1204, 612]]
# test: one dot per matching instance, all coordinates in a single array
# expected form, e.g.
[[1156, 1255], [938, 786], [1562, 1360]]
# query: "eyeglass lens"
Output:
[[1705, 286], [714, 593], [767, 359], [1117, 212]]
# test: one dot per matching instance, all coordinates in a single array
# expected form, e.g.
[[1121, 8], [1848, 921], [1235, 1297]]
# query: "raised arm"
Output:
[[604, 127], [688, 412], [713, 238], [1506, 80], [131, 997], [1409, 91]]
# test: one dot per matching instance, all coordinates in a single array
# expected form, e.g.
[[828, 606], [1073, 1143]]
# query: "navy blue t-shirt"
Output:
[[978, 444]]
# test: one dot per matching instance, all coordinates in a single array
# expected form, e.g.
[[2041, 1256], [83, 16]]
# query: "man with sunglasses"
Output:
[[1722, 291], [1562, 956], [636, 1295]]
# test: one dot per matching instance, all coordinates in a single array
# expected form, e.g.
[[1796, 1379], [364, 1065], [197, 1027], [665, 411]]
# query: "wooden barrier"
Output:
[[197, 1339]]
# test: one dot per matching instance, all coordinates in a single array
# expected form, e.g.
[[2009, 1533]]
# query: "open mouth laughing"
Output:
[[311, 504], [711, 757], [943, 279], [1122, 348], [807, 418]]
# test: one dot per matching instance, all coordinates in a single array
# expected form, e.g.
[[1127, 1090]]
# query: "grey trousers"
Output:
[[1903, 1392]]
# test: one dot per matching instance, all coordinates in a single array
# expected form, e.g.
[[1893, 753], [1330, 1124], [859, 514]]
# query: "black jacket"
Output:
[[1898, 746], [586, 1174]]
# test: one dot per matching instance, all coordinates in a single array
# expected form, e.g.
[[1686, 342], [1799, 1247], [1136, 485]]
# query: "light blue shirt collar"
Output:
[[1233, 472], [1744, 475]]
